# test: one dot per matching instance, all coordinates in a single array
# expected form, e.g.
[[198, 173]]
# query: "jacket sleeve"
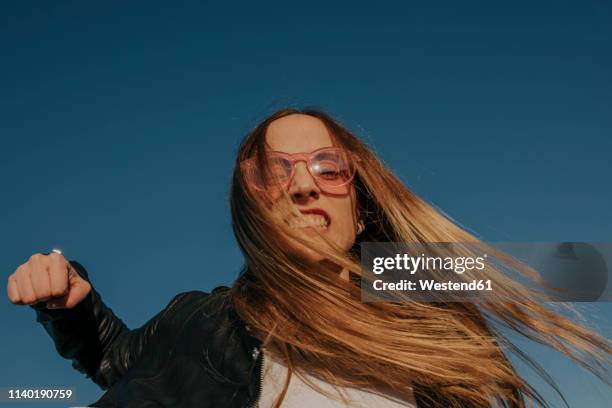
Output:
[[99, 344]]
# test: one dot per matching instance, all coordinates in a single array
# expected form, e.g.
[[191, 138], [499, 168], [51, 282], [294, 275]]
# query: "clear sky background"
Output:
[[119, 124]]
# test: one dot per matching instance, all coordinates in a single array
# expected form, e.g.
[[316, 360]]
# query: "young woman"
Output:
[[292, 330]]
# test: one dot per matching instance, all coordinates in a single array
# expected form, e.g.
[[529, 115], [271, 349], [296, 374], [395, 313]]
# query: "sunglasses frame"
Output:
[[294, 158]]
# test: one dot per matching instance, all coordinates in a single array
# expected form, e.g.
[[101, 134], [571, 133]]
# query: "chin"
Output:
[[301, 252]]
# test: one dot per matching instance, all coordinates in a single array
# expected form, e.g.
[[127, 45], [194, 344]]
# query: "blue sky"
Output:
[[119, 123]]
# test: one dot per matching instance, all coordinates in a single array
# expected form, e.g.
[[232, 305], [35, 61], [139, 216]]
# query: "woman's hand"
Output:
[[48, 278]]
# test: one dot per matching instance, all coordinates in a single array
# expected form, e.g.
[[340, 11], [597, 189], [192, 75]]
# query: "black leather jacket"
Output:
[[196, 352]]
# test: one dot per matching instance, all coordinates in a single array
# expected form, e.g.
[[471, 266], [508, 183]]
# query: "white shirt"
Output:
[[301, 395]]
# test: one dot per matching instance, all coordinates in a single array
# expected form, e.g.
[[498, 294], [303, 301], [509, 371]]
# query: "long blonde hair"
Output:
[[448, 354]]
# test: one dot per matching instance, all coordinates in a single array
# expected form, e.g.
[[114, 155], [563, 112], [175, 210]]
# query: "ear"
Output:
[[360, 226]]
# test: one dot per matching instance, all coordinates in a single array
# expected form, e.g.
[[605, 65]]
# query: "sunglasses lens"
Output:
[[278, 174], [332, 167]]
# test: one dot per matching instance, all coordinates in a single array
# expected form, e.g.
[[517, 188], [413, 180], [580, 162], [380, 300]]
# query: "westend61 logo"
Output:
[[412, 264], [437, 269], [478, 271]]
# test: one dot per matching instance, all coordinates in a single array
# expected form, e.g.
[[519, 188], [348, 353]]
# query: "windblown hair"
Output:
[[450, 354]]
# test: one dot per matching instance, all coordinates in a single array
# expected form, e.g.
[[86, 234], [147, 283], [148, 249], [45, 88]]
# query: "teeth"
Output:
[[308, 220]]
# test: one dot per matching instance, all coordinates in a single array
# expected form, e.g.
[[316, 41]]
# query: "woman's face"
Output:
[[333, 214]]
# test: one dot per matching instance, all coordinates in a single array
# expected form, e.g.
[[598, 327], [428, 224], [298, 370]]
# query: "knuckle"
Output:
[[55, 293], [40, 288], [38, 284], [36, 271], [57, 270], [28, 299], [12, 280], [55, 256], [35, 257], [58, 291], [13, 298], [22, 270], [44, 293]]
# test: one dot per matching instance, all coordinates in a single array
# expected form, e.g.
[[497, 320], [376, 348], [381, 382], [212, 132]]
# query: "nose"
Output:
[[303, 186]]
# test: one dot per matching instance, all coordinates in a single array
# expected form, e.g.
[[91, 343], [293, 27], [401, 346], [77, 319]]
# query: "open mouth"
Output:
[[311, 218]]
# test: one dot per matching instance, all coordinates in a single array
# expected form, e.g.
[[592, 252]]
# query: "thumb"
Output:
[[77, 291]]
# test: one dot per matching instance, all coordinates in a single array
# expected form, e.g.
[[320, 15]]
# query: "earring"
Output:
[[360, 227]]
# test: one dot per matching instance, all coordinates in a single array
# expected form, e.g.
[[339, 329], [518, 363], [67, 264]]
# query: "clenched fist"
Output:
[[48, 278]]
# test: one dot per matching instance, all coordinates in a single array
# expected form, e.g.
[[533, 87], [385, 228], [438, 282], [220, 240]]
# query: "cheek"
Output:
[[344, 231]]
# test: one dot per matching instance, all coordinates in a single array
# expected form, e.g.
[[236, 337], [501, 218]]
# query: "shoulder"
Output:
[[208, 303], [207, 318], [199, 295]]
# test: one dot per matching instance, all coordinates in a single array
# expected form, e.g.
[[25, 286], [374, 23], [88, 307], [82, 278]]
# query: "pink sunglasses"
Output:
[[329, 166]]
